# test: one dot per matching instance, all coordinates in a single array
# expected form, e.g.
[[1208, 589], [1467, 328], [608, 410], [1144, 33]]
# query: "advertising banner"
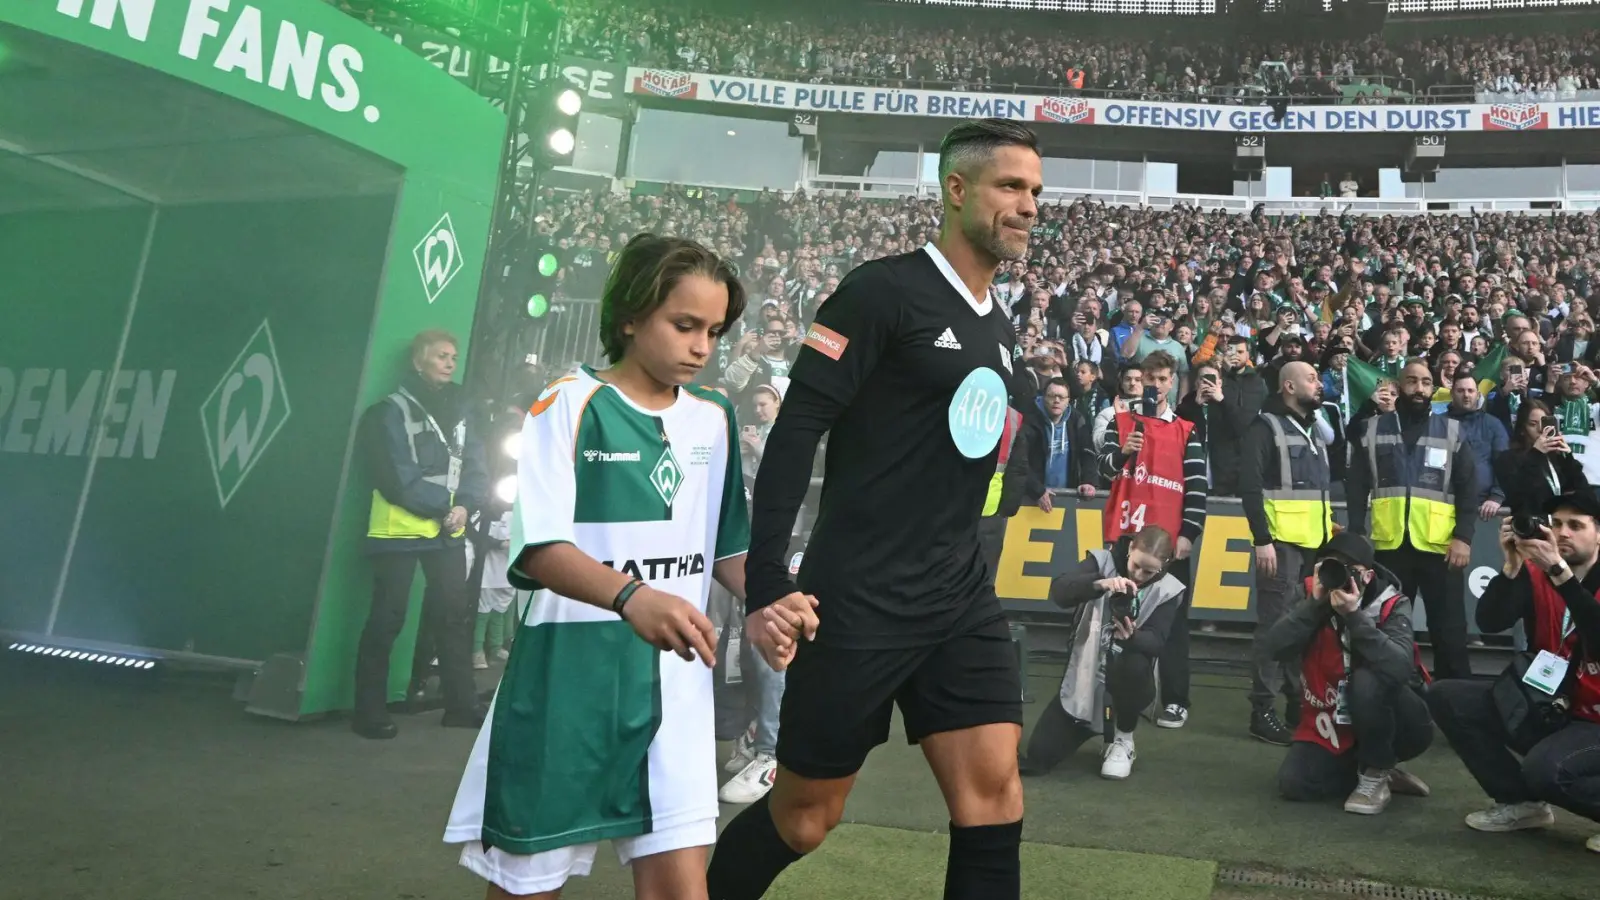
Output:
[[601, 83], [1210, 117], [1040, 545]]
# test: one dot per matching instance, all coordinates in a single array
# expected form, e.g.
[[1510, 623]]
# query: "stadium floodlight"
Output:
[[562, 143], [553, 122], [534, 276]]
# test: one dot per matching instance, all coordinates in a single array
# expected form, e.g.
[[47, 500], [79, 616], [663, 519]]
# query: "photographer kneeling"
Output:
[[1126, 603], [1360, 710], [1545, 707]]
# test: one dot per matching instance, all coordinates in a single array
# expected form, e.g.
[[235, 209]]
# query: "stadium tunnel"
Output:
[[208, 278]]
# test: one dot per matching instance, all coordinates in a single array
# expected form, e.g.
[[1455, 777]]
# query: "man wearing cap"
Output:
[[1158, 336], [1549, 584], [1361, 710], [1413, 470]]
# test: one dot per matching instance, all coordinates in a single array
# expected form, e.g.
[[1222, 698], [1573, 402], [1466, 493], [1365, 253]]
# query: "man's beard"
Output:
[[1416, 403], [989, 240], [1576, 559]]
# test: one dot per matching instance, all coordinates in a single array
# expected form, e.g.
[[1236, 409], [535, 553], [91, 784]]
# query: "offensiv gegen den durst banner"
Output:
[[798, 97]]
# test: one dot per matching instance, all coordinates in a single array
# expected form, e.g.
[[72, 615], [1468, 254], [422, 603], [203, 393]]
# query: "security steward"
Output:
[[1418, 476], [1283, 483], [427, 479]]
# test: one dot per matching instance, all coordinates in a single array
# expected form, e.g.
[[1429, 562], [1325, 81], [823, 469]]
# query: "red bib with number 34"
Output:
[[1149, 488]]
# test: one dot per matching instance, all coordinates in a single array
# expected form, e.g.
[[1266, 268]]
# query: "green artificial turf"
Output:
[[861, 861]]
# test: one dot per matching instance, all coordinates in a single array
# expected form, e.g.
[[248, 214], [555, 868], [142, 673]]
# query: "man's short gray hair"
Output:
[[971, 144]]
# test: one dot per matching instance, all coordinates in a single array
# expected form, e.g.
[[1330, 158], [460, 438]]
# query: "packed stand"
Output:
[[892, 48], [1193, 280]]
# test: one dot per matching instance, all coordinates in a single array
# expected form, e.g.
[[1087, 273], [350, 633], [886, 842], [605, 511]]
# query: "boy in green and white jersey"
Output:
[[629, 502]]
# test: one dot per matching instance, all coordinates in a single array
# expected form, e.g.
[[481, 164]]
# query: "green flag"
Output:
[[1360, 382], [1488, 369]]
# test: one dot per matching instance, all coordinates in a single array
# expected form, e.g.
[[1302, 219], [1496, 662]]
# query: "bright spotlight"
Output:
[[569, 102], [562, 142], [506, 489]]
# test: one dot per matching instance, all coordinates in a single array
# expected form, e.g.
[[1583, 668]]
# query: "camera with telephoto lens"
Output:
[[1528, 527], [1333, 575]]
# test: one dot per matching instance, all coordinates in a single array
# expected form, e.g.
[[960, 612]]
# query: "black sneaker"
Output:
[[1266, 726]]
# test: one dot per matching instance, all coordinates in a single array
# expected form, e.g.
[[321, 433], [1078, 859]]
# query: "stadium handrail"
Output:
[[895, 188]]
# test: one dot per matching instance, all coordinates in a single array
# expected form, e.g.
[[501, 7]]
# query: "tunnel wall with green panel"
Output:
[[222, 224]]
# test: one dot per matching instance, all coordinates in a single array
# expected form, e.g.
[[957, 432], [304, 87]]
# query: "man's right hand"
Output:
[[1266, 561], [1133, 444], [1508, 546], [776, 630], [1045, 502], [668, 622]]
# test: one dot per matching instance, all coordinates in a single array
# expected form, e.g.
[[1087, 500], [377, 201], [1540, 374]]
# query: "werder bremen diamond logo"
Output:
[[244, 413], [438, 257], [667, 476]]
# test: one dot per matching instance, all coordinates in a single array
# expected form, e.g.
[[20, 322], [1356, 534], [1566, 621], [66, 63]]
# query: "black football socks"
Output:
[[985, 863], [751, 854]]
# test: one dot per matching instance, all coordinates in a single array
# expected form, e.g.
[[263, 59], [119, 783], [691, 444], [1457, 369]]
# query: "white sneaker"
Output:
[[502, 654], [1173, 716], [1593, 844], [479, 660], [752, 783], [1119, 759], [1371, 795], [744, 750], [1512, 817]]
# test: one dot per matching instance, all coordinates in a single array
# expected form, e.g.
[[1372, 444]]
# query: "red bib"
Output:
[[1149, 488], [1321, 670], [1550, 633]]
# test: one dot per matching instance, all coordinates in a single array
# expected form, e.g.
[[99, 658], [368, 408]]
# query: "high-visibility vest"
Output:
[[991, 503], [390, 521], [1409, 496], [1298, 510]]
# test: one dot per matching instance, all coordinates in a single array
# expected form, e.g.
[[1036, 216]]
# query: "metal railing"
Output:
[[895, 188], [570, 333]]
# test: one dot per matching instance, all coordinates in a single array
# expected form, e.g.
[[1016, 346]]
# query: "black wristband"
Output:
[[624, 595]]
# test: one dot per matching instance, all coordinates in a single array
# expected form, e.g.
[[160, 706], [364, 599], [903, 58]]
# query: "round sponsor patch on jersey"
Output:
[[978, 413], [794, 562]]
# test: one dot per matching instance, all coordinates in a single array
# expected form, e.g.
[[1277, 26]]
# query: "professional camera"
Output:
[[1333, 575], [1527, 527]]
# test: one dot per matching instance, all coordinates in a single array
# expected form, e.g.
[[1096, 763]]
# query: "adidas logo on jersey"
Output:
[[947, 341]]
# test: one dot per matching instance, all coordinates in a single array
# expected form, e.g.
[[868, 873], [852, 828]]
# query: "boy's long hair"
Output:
[[645, 273]]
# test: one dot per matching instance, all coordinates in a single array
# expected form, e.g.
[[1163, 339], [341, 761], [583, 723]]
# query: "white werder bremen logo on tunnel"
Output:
[[244, 413], [438, 257]]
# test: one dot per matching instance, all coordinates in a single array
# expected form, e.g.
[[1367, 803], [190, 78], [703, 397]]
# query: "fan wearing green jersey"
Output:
[[630, 501]]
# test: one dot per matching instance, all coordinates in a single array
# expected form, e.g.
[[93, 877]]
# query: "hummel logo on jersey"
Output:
[[605, 456], [947, 341]]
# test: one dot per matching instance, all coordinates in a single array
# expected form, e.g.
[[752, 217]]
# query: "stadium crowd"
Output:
[[901, 51], [1472, 335], [1190, 280]]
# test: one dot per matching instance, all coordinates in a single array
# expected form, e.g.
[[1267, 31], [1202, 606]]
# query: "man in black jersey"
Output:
[[906, 366]]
